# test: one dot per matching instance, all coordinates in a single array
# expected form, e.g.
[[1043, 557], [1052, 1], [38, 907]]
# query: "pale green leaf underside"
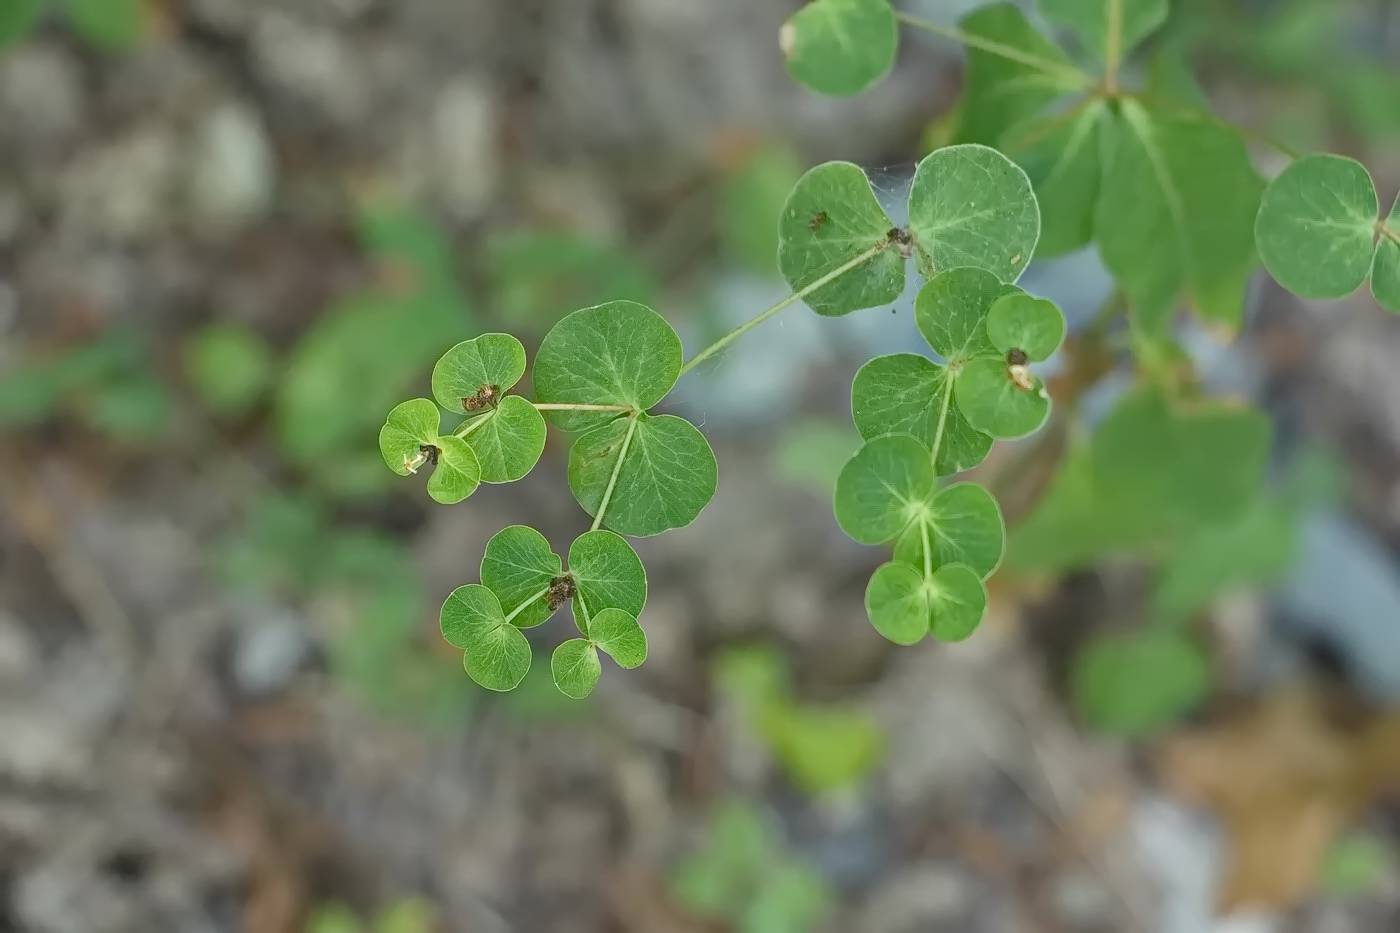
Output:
[[903, 394], [518, 563], [576, 668], [993, 403], [668, 476], [831, 218], [495, 653], [880, 489], [489, 360], [841, 47], [608, 573], [510, 442]]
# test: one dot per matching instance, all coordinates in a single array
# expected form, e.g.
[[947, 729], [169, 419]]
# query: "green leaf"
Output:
[[407, 915], [1033, 325], [840, 47], [1061, 155], [716, 880], [1385, 274], [538, 274], [618, 633], [897, 603], [754, 197], [608, 574], [792, 899], [410, 427], [108, 24], [497, 656], [1132, 684], [474, 373], [951, 312], [135, 407], [993, 402], [957, 601], [509, 440], [883, 488], [618, 353], [972, 206], [1316, 226], [1357, 864], [667, 476], [824, 748], [965, 527], [831, 218], [18, 19], [230, 367], [1109, 28], [1176, 214], [903, 394], [457, 473], [517, 565], [810, 453], [576, 668]]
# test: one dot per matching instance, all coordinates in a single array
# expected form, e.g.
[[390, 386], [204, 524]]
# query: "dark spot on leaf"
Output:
[[431, 451], [488, 396], [902, 239], [817, 220], [1017, 357], [561, 589]]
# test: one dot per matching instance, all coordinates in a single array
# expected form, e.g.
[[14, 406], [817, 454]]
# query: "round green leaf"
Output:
[[840, 47], [1134, 683], [230, 366], [1385, 273], [903, 394], [1316, 226], [517, 565], [897, 603], [608, 573], [830, 219], [883, 487], [618, 353], [1034, 326], [496, 654], [457, 473], [496, 361], [951, 312], [509, 441], [410, 426], [957, 601], [576, 668], [667, 476], [618, 633], [993, 402], [972, 206], [965, 527]]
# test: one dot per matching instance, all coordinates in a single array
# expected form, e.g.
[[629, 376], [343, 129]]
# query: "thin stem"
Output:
[[617, 470], [1113, 54], [1001, 50], [521, 608], [1387, 232], [565, 406], [928, 549], [464, 429], [796, 296], [948, 378]]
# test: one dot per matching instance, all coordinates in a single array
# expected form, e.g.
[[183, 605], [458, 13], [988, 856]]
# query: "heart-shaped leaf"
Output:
[[668, 473], [1002, 399], [830, 220], [508, 441], [957, 600], [618, 633], [608, 574], [518, 566], [1034, 326], [618, 353], [897, 603], [903, 394], [496, 654], [474, 374], [951, 312], [963, 525], [457, 473], [972, 206], [410, 427], [576, 668], [884, 487], [1061, 156], [840, 47]]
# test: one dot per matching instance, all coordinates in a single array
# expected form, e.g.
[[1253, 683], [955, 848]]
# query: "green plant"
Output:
[[1056, 147], [104, 24], [406, 915]]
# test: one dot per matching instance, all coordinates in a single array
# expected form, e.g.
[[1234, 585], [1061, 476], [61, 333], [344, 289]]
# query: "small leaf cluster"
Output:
[[105, 24]]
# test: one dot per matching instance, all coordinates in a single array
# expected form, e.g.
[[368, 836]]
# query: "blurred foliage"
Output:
[[111, 25], [743, 874], [1131, 683], [753, 198], [230, 368], [811, 453], [1356, 864], [407, 915], [538, 275]]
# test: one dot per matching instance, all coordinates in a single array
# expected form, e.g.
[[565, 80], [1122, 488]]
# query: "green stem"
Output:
[[928, 549], [1387, 232], [943, 414], [521, 608], [796, 296], [1113, 54], [999, 49], [617, 470], [1196, 113], [464, 429], [565, 406]]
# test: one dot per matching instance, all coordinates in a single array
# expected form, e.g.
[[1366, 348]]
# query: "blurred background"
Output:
[[233, 233]]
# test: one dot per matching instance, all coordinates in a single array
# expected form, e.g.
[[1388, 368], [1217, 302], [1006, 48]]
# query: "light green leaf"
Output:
[[992, 401], [1359, 863], [517, 565], [457, 473], [538, 274], [903, 394], [1316, 226], [407, 915], [951, 312], [108, 24], [793, 898], [897, 603], [474, 374], [1134, 683], [972, 206], [576, 668], [1033, 325], [1061, 155], [966, 526], [1109, 28], [957, 601], [509, 440], [883, 487], [618, 633], [754, 197], [230, 367], [18, 18], [811, 453], [667, 476], [840, 47], [1176, 214], [608, 573], [824, 748], [617, 353], [410, 427], [716, 880], [497, 656], [1385, 275], [830, 219]]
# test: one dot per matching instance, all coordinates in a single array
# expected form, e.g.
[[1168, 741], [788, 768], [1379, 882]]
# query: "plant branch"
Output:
[[796, 296], [1387, 232], [521, 608], [617, 470], [943, 415], [1113, 54], [928, 549], [999, 49]]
